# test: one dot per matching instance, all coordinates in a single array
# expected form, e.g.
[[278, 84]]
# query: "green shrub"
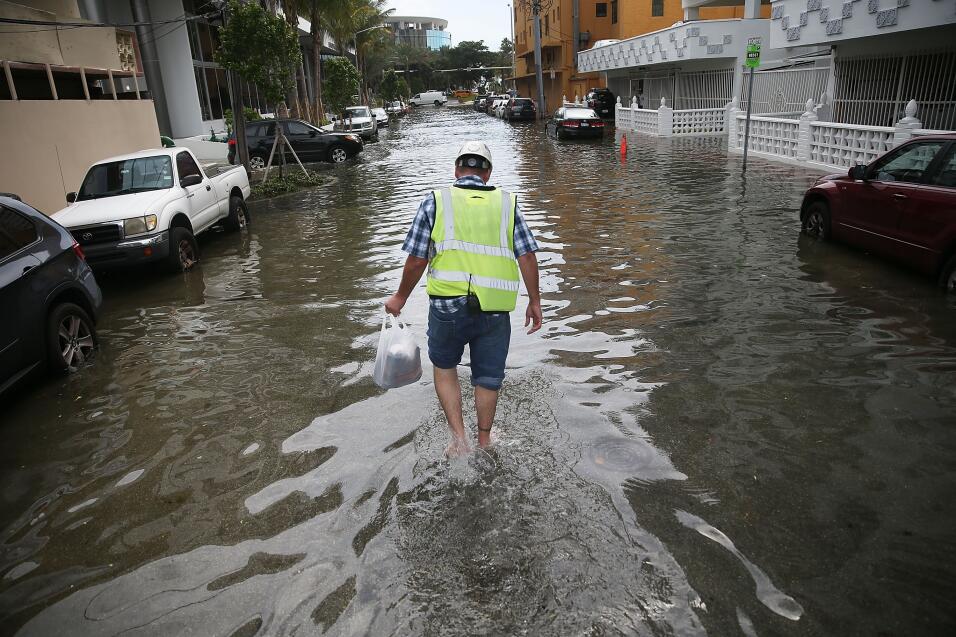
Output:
[[250, 114], [292, 182]]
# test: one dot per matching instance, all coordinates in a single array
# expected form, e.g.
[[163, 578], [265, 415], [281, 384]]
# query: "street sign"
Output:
[[753, 52]]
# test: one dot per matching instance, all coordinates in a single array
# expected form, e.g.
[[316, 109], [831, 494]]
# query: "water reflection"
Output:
[[720, 429]]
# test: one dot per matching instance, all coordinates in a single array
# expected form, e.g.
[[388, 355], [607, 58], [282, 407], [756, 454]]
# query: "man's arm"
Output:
[[528, 264], [411, 275]]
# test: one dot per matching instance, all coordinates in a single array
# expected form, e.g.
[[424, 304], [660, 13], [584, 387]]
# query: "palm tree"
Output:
[[320, 15], [351, 16], [291, 10]]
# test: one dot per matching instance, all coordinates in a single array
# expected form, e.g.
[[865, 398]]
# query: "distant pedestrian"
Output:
[[474, 242]]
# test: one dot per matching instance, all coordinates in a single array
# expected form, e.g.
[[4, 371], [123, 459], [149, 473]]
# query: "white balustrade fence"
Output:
[[666, 122], [823, 144]]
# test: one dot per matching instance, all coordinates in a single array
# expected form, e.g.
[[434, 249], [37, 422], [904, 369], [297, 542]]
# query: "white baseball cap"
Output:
[[474, 152]]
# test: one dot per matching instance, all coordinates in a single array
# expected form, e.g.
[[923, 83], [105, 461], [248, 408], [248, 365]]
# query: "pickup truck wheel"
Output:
[[337, 154], [238, 218], [257, 162], [947, 276], [816, 223], [183, 250], [71, 338]]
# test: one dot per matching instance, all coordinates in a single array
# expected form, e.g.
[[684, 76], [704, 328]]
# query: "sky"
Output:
[[467, 19]]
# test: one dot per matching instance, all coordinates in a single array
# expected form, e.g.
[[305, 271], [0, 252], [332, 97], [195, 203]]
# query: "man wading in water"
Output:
[[476, 241]]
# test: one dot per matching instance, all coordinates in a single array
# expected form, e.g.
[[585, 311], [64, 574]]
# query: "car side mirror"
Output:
[[857, 173], [70, 197], [190, 180]]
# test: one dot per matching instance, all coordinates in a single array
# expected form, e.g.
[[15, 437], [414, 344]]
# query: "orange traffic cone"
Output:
[[623, 144]]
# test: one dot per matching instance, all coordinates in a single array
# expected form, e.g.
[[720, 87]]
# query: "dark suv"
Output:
[[308, 142], [520, 108], [602, 101], [49, 296]]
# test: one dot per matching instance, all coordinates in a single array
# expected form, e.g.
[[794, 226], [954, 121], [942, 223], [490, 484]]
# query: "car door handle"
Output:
[[900, 196], [192, 194], [28, 268]]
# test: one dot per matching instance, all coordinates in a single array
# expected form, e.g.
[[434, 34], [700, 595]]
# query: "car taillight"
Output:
[[597, 124], [231, 142], [78, 251], [570, 124]]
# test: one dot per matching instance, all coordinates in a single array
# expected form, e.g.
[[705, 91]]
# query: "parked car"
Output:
[[381, 117], [480, 104], [495, 108], [602, 100], [463, 94], [575, 122], [396, 108], [520, 108], [149, 206], [359, 121], [902, 206], [49, 296], [438, 98], [309, 143]]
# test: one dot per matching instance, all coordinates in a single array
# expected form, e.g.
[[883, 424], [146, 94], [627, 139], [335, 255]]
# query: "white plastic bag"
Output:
[[399, 359]]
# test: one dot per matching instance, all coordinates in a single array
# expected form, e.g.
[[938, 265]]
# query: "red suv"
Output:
[[902, 205]]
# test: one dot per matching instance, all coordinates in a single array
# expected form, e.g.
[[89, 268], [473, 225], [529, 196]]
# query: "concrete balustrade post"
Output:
[[804, 136], [906, 126], [665, 119], [730, 123]]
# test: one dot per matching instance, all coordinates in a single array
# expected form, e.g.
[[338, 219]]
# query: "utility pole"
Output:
[[514, 50], [234, 83], [536, 6]]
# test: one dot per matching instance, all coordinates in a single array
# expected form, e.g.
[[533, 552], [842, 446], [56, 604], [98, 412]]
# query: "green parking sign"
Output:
[[753, 52]]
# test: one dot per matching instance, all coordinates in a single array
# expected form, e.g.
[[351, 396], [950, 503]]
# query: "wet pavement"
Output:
[[723, 427]]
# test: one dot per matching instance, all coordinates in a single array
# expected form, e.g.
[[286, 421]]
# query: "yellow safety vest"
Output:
[[474, 246]]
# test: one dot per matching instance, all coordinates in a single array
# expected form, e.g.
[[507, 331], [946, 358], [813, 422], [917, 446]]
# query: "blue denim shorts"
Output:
[[487, 334]]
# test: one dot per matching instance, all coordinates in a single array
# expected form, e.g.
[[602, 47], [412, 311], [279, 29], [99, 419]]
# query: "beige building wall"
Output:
[[52, 143], [89, 47]]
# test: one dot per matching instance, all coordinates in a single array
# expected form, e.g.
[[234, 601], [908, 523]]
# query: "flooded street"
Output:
[[723, 427]]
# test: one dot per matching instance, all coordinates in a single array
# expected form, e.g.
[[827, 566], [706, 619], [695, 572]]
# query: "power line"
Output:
[[54, 23]]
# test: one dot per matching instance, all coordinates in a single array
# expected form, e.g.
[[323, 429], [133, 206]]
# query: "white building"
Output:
[[840, 81]]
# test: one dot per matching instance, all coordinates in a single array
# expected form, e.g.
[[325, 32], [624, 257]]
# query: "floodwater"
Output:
[[724, 428]]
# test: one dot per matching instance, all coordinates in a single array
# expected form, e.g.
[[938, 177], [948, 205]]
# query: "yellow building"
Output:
[[594, 21]]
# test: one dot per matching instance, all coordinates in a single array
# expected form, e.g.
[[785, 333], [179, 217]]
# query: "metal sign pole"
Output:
[[750, 96], [753, 61]]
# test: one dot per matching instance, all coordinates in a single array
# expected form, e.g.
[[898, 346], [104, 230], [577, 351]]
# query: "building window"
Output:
[[600, 9], [613, 11], [547, 24], [657, 8]]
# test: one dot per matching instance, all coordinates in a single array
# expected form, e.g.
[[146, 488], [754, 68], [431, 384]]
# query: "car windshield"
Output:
[[524, 101], [379, 111], [127, 176], [580, 113], [357, 111], [396, 104]]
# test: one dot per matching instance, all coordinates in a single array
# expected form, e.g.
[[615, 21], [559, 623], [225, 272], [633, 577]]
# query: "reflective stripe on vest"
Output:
[[478, 254]]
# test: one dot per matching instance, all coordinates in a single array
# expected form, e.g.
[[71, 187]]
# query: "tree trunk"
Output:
[[317, 70]]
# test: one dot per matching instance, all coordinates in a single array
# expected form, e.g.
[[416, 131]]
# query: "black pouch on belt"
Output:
[[474, 305]]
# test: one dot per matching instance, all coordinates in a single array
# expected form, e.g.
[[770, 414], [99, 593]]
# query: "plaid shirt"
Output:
[[419, 244]]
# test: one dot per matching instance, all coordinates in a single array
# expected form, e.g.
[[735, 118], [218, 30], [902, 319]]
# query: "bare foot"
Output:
[[484, 439], [457, 447]]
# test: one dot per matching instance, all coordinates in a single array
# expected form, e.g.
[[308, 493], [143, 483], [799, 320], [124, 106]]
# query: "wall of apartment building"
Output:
[[634, 17], [94, 48], [55, 141]]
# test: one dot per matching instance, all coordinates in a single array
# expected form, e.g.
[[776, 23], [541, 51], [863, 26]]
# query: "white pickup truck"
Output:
[[150, 205]]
